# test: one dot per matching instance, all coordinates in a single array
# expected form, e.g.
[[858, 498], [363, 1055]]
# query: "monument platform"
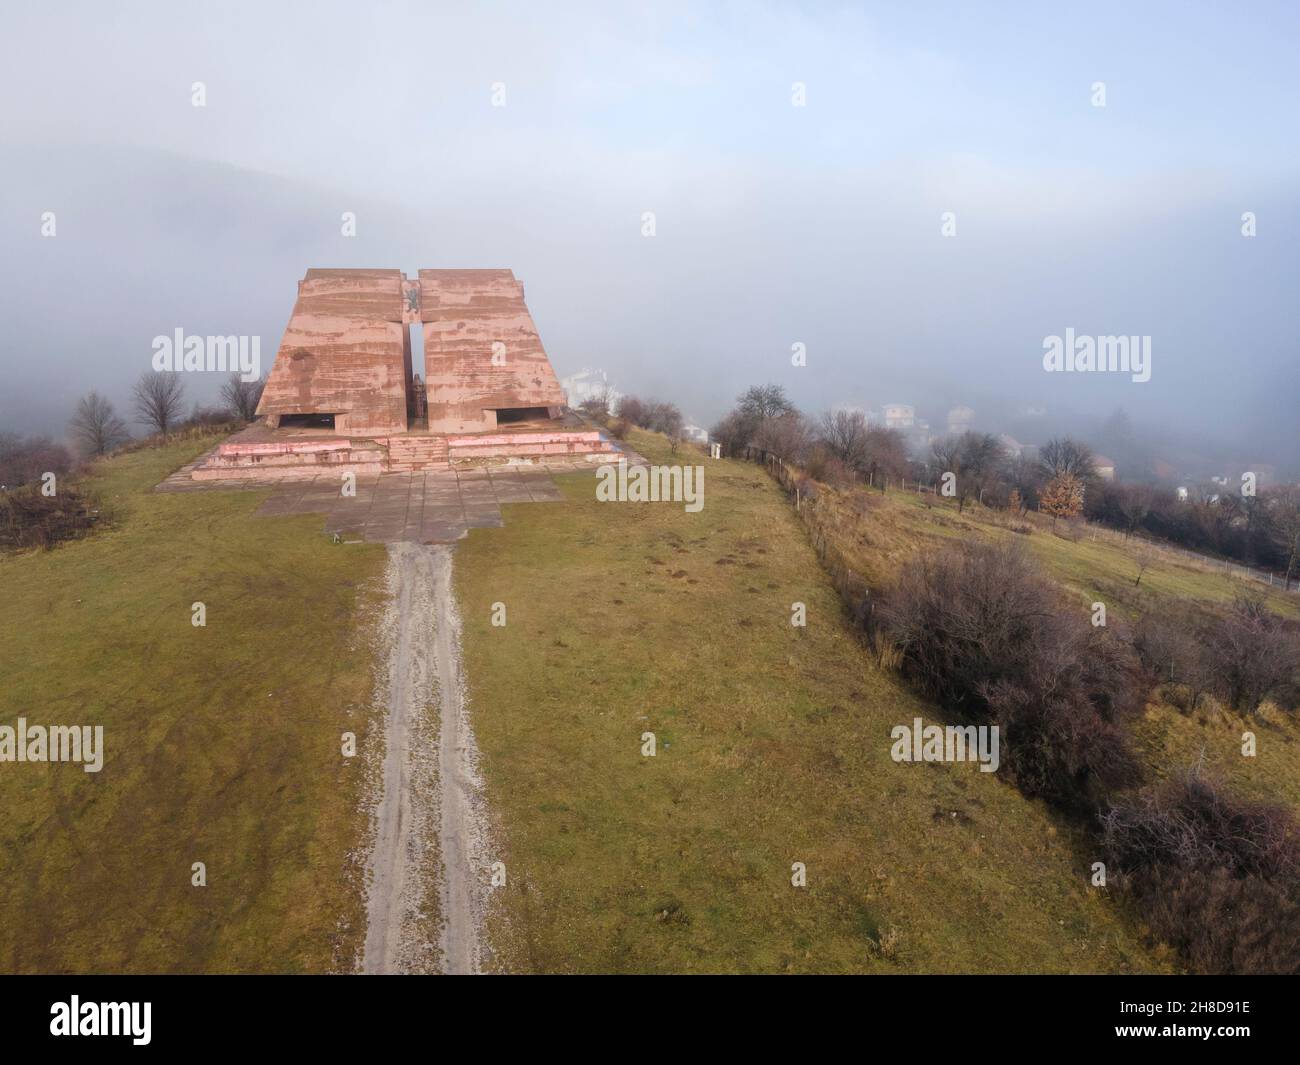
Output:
[[264, 453]]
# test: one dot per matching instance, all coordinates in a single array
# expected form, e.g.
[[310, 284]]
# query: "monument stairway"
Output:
[[538, 446], [410, 453], [237, 459]]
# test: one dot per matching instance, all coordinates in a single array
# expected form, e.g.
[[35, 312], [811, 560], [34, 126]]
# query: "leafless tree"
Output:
[[95, 426], [1065, 456], [1284, 525], [23, 459], [1135, 502], [764, 401], [944, 456], [633, 409], [1025, 477], [844, 434], [242, 397], [787, 436], [885, 456], [663, 417], [159, 400], [1143, 557], [979, 460], [1257, 655]]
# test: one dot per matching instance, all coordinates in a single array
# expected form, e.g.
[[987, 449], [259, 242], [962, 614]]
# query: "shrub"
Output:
[[979, 630], [1216, 877], [1165, 646], [25, 459], [30, 519], [210, 418], [619, 428], [1171, 652], [596, 408], [631, 409], [1256, 656], [661, 417], [822, 466]]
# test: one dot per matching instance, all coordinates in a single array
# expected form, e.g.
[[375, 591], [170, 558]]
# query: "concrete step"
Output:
[[311, 460], [280, 473]]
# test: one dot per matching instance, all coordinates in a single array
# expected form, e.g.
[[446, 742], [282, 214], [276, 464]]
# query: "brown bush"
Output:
[[1172, 653], [24, 460], [1220, 923], [1256, 656], [862, 503], [822, 466], [982, 632], [30, 519], [633, 410], [619, 428], [1216, 877]]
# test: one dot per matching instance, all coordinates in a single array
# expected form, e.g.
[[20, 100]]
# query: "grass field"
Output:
[[773, 748], [223, 742]]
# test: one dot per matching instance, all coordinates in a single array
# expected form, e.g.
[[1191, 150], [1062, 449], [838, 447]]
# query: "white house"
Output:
[[588, 384]]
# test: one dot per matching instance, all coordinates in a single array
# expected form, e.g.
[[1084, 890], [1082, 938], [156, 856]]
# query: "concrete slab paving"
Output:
[[436, 506]]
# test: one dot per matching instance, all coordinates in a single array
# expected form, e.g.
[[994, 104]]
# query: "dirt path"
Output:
[[428, 866]]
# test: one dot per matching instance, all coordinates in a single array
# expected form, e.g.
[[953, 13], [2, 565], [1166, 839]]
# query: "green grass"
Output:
[[1170, 739], [223, 742], [1098, 566], [773, 748]]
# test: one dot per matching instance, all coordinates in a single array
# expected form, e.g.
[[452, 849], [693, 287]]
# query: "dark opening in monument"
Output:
[[506, 415], [306, 421]]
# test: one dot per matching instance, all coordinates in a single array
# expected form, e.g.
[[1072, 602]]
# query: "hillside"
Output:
[[773, 748], [1131, 577], [621, 619], [222, 742]]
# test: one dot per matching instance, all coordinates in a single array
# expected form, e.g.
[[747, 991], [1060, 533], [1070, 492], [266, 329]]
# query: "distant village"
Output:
[[1200, 483]]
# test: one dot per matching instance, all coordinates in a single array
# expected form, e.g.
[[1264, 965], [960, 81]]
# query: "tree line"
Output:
[[1062, 480], [96, 429]]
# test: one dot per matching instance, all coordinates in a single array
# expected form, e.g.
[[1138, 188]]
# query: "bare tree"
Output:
[[764, 401], [1143, 558], [23, 459], [242, 397], [886, 456], [1257, 656], [979, 460], [96, 427], [633, 409], [599, 406], [945, 456], [1284, 525], [1025, 478], [787, 436], [159, 400], [663, 417], [1065, 456], [844, 434], [1135, 502]]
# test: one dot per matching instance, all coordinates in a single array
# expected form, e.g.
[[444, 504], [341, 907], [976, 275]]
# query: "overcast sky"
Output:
[[775, 224]]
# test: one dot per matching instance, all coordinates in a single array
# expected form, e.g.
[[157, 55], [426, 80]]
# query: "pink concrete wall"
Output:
[[465, 312]]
